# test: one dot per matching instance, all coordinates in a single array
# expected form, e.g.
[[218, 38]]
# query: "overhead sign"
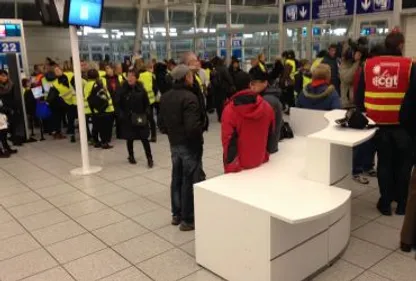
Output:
[[374, 6], [297, 12], [408, 4], [324, 9]]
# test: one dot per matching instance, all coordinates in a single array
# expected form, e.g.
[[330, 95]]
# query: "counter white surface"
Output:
[[284, 220]]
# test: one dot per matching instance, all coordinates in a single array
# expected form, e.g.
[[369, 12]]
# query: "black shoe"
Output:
[[176, 220], [97, 145], [11, 151], [405, 247], [150, 163], [152, 139], [4, 155], [73, 139], [106, 146], [186, 226], [401, 209], [385, 210], [132, 160]]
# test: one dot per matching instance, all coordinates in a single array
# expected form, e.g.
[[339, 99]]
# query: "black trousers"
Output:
[[71, 115], [395, 161], [103, 127], [288, 96], [152, 121], [3, 140], [56, 119], [146, 147]]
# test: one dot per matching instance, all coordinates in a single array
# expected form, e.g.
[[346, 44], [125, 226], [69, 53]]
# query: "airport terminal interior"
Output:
[[301, 216]]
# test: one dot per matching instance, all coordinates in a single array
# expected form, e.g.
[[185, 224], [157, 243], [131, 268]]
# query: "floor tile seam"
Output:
[[380, 261], [143, 234], [372, 243], [11, 257], [43, 271], [13, 194], [154, 201], [66, 239], [42, 247], [56, 195], [352, 235], [382, 224]]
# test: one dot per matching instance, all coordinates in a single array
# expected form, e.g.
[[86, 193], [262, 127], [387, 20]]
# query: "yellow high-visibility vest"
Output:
[[292, 63], [87, 92], [146, 78], [66, 93]]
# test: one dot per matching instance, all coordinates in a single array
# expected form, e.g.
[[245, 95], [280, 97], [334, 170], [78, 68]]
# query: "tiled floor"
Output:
[[115, 225]]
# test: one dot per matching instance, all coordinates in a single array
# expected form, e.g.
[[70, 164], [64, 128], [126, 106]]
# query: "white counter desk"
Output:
[[274, 222]]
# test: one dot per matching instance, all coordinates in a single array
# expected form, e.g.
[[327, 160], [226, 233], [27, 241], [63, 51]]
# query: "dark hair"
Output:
[[93, 74], [291, 54], [25, 81], [393, 41], [217, 61], [4, 72], [134, 72], [333, 46], [322, 53]]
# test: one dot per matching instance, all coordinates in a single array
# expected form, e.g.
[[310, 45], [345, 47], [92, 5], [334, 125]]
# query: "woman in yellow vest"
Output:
[[98, 104], [64, 84], [287, 81], [303, 77], [148, 81]]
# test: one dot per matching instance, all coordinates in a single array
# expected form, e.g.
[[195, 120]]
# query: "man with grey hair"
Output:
[[180, 118]]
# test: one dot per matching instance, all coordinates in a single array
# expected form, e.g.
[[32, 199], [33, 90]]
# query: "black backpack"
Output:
[[98, 99]]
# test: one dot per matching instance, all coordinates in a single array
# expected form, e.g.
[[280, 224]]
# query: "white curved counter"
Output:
[[276, 222]]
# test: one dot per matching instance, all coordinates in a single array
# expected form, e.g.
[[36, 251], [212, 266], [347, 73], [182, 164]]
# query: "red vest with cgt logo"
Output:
[[386, 83]]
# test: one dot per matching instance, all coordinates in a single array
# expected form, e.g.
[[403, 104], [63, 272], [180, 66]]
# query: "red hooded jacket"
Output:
[[247, 130]]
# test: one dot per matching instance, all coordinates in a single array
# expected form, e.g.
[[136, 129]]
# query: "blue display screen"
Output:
[[13, 30], [85, 12]]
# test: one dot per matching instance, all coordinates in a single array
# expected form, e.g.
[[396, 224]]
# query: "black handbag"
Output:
[[354, 119], [139, 119]]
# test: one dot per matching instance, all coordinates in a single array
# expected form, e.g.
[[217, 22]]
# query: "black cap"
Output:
[[257, 74], [242, 81]]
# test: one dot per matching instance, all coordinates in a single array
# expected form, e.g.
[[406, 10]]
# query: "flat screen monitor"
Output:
[[85, 12], [37, 92]]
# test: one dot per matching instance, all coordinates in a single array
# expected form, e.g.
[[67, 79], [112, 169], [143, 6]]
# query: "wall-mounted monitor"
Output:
[[48, 13], [85, 12]]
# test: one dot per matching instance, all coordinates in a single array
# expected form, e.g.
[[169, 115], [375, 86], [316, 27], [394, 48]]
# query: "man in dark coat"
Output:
[[180, 118], [332, 60]]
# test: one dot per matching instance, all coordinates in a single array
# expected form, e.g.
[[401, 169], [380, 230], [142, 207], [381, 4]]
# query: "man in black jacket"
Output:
[[180, 118]]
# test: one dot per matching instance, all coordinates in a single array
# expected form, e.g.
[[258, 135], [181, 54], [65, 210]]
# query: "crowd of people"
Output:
[[139, 98]]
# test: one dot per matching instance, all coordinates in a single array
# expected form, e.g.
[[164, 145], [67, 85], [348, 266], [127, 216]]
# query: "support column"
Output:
[[396, 19], [167, 29], [203, 11], [139, 27], [229, 33], [281, 27], [195, 14]]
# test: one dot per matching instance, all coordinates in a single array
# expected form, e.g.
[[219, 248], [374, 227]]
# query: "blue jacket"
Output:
[[322, 97]]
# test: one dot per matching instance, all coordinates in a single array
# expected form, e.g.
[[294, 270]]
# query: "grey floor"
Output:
[[115, 225]]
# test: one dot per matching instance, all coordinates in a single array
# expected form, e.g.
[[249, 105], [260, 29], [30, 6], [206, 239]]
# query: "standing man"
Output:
[[382, 87], [332, 60], [197, 89], [180, 118]]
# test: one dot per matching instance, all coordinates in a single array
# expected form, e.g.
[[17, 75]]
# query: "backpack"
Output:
[[98, 100]]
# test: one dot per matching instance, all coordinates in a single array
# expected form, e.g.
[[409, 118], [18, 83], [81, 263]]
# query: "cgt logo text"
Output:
[[386, 75]]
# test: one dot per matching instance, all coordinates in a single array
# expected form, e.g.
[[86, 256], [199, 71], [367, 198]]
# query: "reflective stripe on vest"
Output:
[[146, 78], [199, 81], [315, 63], [102, 73], [66, 93], [386, 82]]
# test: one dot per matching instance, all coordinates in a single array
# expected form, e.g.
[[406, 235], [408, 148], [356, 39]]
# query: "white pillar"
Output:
[[282, 34], [396, 20], [229, 33], [86, 169], [195, 15], [139, 27], [203, 13], [167, 29]]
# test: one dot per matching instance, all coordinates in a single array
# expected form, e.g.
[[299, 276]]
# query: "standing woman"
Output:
[[134, 114]]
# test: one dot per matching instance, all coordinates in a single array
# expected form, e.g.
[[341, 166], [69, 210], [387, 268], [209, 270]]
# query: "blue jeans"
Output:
[[185, 164], [363, 157]]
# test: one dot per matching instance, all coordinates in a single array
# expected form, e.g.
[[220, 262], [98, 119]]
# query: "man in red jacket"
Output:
[[247, 130]]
